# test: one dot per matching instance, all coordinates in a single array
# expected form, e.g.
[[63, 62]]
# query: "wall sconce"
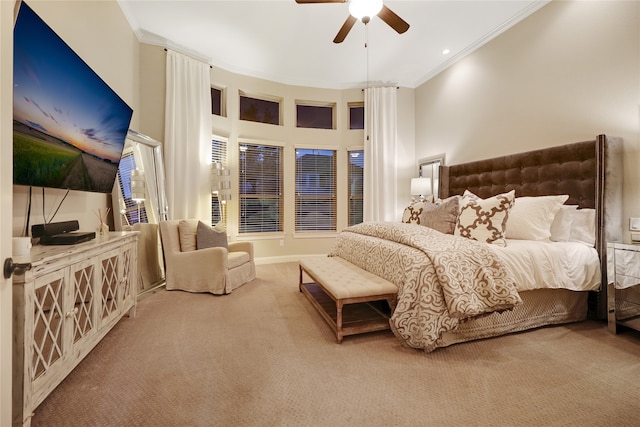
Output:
[[137, 186], [421, 187], [221, 182]]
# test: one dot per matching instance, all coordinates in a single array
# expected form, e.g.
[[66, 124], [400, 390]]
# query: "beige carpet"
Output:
[[262, 356]]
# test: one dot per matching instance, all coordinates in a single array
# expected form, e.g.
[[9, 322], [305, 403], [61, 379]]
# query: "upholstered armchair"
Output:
[[213, 268]]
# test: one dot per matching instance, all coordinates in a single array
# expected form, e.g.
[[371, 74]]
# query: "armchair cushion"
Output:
[[210, 237], [187, 233]]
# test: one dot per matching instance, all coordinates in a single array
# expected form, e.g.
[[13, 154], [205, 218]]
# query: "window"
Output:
[[356, 115], [218, 155], [133, 212], [314, 116], [260, 188], [217, 99], [259, 110], [356, 179], [315, 190]]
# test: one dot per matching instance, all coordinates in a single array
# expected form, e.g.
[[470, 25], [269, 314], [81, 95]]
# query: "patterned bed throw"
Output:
[[442, 279]]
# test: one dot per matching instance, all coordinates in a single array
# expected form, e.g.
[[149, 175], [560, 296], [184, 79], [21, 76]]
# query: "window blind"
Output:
[[315, 190], [260, 188], [356, 180], [218, 155]]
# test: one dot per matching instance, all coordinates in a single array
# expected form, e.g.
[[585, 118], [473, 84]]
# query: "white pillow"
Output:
[[561, 226], [531, 217], [484, 220], [583, 229]]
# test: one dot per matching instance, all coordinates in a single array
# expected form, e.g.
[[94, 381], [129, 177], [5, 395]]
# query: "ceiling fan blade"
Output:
[[393, 20], [346, 27], [320, 1]]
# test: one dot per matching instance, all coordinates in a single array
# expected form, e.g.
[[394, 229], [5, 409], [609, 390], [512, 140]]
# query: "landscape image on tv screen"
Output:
[[69, 126]]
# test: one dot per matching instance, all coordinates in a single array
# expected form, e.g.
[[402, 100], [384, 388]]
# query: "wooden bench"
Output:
[[337, 283]]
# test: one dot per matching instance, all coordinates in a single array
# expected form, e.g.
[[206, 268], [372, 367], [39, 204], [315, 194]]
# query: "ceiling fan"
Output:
[[364, 10]]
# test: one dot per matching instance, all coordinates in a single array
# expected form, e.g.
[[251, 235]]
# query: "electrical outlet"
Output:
[[634, 224], [282, 242]]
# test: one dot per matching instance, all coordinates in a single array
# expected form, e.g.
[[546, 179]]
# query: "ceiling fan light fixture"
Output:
[[360, 9]]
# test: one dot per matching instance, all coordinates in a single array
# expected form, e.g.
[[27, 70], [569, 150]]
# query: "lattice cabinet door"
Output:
[[109, 285], [45, 318], [128, 274], [83, 310]]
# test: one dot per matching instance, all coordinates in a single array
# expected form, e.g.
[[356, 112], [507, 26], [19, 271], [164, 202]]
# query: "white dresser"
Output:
[[62, 307], [623, 287]]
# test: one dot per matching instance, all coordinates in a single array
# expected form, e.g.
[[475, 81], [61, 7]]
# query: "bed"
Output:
[[439, 306]]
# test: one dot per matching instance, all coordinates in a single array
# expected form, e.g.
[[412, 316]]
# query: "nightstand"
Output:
[[623, 287]]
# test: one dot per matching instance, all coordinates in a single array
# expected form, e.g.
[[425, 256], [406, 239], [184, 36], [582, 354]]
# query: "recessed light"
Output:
[[446, 52]]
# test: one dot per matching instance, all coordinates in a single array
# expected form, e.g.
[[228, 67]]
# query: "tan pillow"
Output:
[[484, 220], [187, 232], [210, 237], [443, 216]]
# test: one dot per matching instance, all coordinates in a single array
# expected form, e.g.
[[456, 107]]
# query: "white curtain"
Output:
[[380, 154], [187, 147]]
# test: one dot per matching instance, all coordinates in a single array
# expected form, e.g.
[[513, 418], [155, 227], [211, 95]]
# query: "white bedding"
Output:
[[536, 264]]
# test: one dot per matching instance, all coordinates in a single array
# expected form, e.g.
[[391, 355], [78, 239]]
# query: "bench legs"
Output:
[[339, 335], [325, 304]]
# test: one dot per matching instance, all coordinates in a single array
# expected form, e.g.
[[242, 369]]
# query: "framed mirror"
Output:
[[140, 203], [430, 168]]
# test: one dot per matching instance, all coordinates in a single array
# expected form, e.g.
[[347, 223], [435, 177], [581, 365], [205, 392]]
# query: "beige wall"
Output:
[[565, 74], [100, 34], [268, 248]]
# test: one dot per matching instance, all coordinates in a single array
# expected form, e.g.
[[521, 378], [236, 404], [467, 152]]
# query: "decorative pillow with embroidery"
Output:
[[414, 213], [484, 220]]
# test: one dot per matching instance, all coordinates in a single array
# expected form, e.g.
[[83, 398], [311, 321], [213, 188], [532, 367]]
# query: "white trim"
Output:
[[283, 259], [311, 146], [315, 234], [267, 235]]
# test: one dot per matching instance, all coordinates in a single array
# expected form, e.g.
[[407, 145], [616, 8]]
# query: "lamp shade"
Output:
[[137, 185], [421, 186], [361, 8]]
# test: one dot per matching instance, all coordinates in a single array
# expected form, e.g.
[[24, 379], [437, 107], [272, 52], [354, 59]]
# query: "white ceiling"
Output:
[[292, 43]]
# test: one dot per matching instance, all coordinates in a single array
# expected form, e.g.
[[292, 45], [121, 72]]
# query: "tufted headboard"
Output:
[[590, 172]]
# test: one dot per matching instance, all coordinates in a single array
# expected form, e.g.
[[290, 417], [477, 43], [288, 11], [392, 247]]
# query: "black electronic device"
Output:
[[70, 238], [61, 233]]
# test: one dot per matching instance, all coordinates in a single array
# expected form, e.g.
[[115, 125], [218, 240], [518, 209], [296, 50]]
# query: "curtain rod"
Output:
[[397, 87], [165, 49]]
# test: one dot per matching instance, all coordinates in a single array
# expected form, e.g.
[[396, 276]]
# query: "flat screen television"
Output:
[[69, 126]]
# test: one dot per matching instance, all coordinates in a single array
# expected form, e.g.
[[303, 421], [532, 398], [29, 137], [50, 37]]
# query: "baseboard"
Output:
[[281, 259]]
